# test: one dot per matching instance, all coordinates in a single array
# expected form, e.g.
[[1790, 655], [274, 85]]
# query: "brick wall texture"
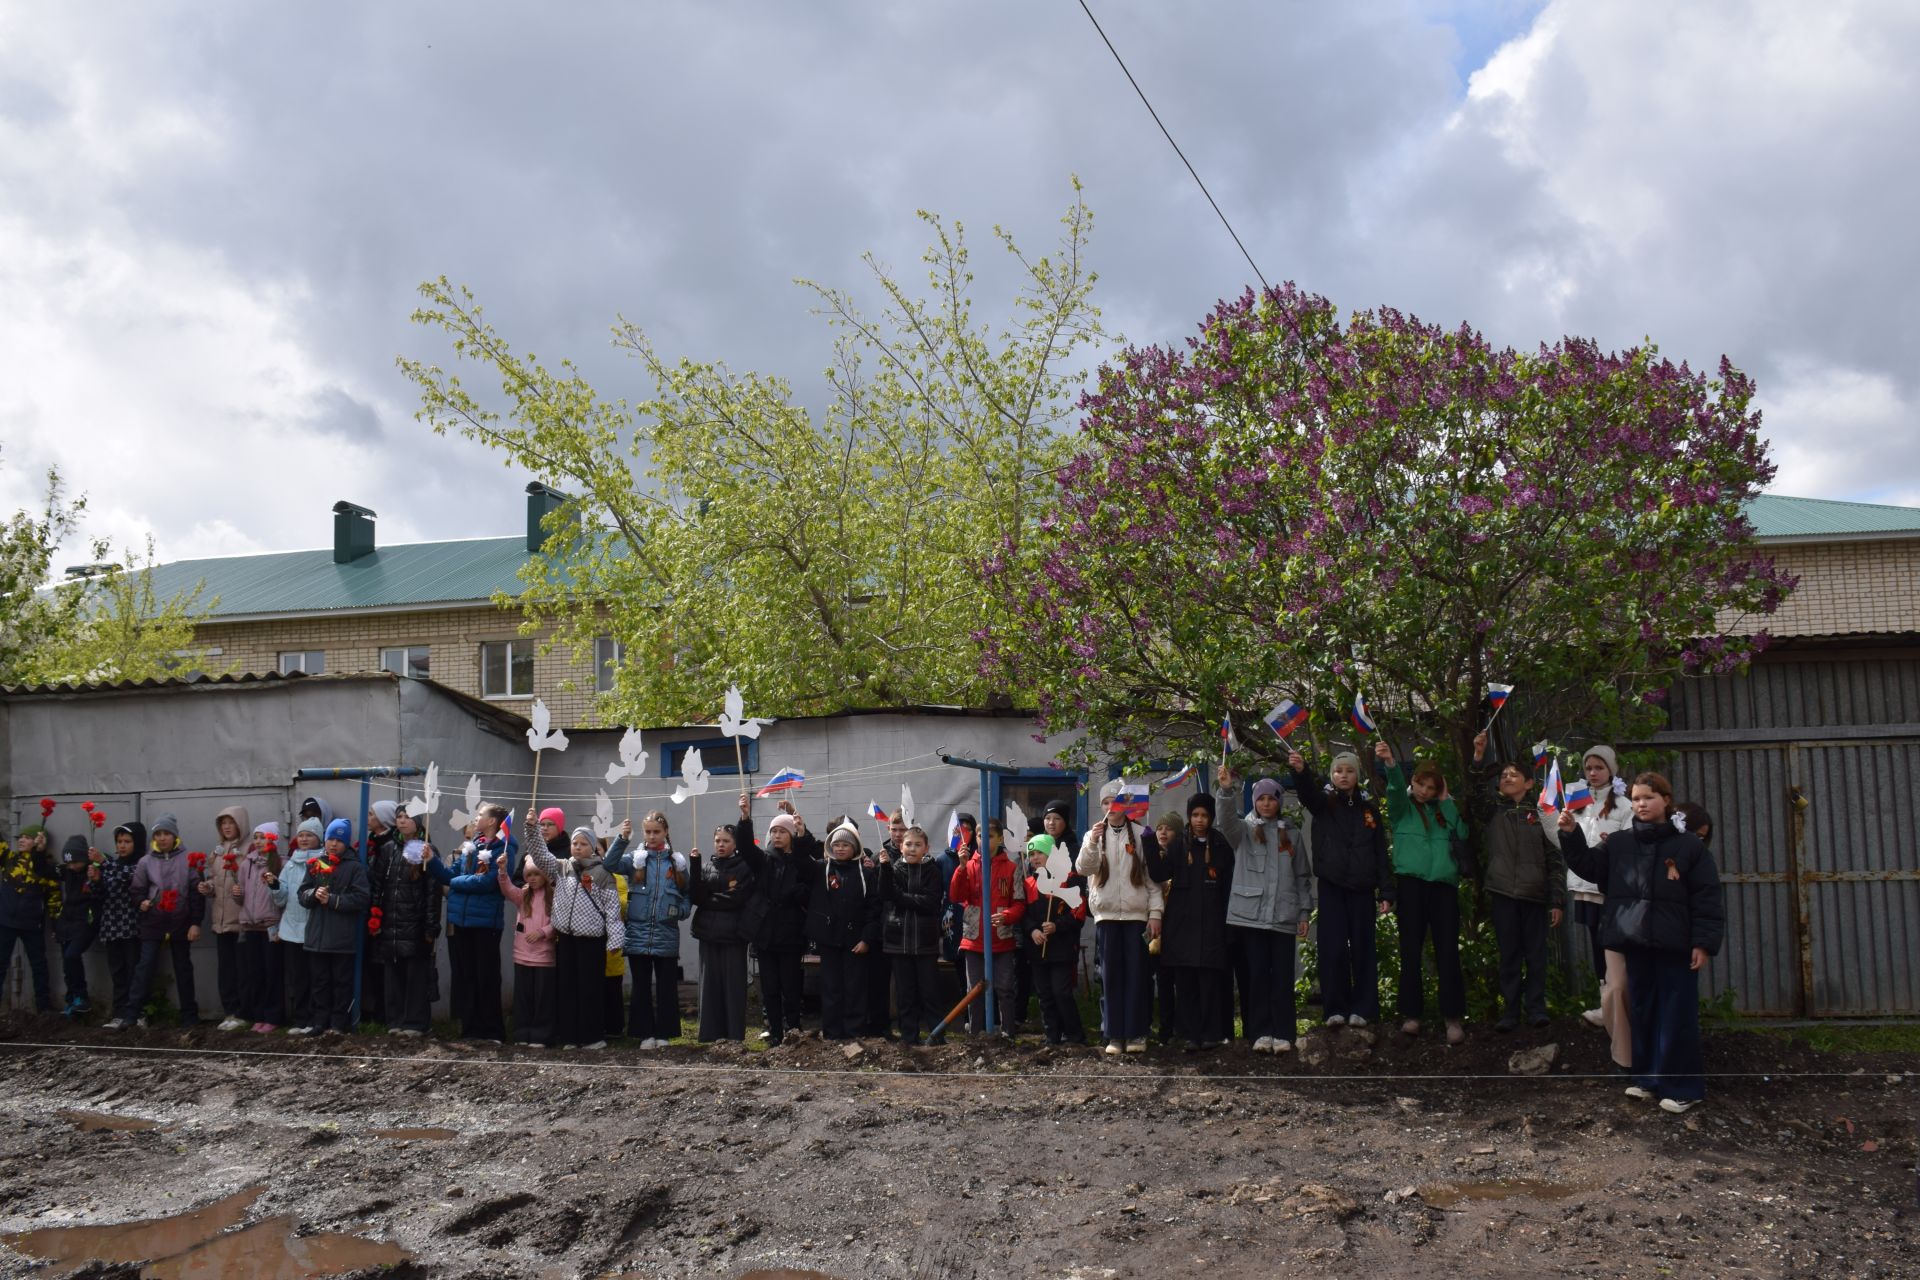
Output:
[[1845, 588]]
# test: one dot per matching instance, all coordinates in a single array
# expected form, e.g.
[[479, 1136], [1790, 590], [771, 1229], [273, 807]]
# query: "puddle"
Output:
[[784, 1273], [270, 1251], [1448, 1194], [200, 1244], [105, 1122], [137, 1241], [418, 1135]]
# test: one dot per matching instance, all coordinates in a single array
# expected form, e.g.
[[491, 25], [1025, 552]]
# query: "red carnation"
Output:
[[170, 901], [196, 862], [99, 819], [373, 924], [231, 861], [47, 806], [376, 911], [87, 805]]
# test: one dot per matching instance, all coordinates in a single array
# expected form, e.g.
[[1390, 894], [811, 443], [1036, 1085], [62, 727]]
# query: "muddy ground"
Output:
[[1399, 1159]]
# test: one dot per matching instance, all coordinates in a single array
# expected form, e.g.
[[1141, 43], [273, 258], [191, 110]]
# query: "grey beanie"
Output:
[[386, 811], [1346, 757], [168, 823], [1605, 754], [1265, 787], [845, 832], [311, 827]]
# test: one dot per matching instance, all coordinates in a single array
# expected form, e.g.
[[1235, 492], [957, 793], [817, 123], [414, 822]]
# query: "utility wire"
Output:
[[1176, 146]]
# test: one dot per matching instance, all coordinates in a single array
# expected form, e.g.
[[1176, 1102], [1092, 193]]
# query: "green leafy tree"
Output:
[[824, 560], [1293, 506]]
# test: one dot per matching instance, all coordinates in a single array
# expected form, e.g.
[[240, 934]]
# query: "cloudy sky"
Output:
[[213, 215]]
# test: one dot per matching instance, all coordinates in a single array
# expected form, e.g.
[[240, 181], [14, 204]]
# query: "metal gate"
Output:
[[1818, 844]]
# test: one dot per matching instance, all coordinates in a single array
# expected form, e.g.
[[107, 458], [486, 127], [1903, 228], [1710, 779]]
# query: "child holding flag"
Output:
[[657, 901], [1429, 843], [783, 877], [1126, 907], [1350, 861], [843, 921], [1272, 898], [1526, 880], [1609, 811], [991, 890]]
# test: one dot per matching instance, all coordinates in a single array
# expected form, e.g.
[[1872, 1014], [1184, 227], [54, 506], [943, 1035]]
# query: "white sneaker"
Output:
[[1263, 1045], [1356, 1021], [1636, 1092], [766, 1035], [597, 1044], [1337, 1020], [230, 1024], [1113, 1049], [1282, 1046], [300, 1031], [1678, 1106], [1595, 1017], [649, 1043], [1136, 1046]]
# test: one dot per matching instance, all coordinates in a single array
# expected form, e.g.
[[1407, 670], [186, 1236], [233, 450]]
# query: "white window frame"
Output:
[[520, 644], [605, 664], [310, 662], [406, 652]]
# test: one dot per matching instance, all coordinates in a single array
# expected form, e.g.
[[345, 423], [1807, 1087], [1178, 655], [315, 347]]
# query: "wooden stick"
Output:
[[740, 763], [533, 805], [1049, 920], [958, 1009]]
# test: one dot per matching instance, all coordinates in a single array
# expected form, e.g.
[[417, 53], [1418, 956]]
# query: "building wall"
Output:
[[1845, 588], [353, 641]]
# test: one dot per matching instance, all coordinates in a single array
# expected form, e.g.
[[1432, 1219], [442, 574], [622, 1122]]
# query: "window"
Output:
[[412, 661], [609, 655], [715, 753], [506, 669], [311, 662]]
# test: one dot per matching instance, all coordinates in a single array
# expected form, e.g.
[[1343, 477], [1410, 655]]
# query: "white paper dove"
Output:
[[423, 805], [734, 721], [633, 758], [603, 824], [1051, 879], [538, 736], [461, 817], [906, 804], [694, 777], [1015, 826]]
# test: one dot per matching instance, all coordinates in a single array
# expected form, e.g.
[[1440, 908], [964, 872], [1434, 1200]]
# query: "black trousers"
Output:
[[373, 986], [474, 955], [1587, 916], [34, 940], [408, 982], [147, 970], [73, 966], [261, 986], [655, 1014], [1349, 961], [843, 993], [1426, 908], [916, 992], [293, 962], [613, 1010], [879, 992], [123, 956], [1520, 929], [1272, 1010], [1197, 993], [1024, 985], [533, 1003], [226, 970], [580, 970], [331, 973], [1166, 1000], [723, 991], [1059, 1014], [782, 994]]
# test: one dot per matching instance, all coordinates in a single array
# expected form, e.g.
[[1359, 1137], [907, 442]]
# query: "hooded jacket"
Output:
[[1117, 849], [1662, 888], [286, 893], [723, 897], [532, 922], [80, 897], [843, 906], [1198, 874], [334, 926], [1520, 852], [1272, 873], [912, 898], [656, 902], [257, 909], [157, 876], [409, 900], [1348, 837], [782, 881], [1425, 836], [119, 913], [473, 891], [223, 909], [585, 903], [1597, 825]]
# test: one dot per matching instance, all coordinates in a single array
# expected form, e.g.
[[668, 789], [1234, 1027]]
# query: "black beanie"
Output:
[[1201, 800]]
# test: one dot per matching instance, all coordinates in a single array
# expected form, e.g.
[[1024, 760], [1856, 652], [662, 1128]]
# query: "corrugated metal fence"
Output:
[[1810, 769]]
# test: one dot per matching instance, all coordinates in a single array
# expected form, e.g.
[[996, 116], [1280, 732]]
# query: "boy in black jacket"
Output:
[[843, 920], [1050, 939], [80, 896], [1349, 838], [783, 876], [911, 887]]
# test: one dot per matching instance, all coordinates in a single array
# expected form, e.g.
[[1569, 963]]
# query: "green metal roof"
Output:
[[284, 582], [1776, 516]]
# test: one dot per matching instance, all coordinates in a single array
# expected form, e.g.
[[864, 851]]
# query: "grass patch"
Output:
[[1843, 1037]]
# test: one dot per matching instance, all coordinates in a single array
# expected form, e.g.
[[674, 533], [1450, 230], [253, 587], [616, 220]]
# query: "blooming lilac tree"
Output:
[[1295, 507]]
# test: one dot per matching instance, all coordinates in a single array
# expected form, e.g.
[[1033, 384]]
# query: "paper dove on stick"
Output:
[[906, 804], [461, 817], [603, 824], [694, 777], [734, 721], [1051, 879], [538, 736], [428, 800], [633, 758], [1015, 828]]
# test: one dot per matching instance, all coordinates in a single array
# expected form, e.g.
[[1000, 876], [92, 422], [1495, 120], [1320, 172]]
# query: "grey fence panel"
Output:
[[1862, 861]]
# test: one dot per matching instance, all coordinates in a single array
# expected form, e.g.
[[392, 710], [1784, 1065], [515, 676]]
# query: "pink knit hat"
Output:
[[557, 817]]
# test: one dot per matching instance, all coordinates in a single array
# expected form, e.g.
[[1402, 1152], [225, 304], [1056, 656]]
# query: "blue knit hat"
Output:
[[340, 829]]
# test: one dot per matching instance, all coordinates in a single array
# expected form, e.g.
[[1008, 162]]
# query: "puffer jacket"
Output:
[[782, 882], [1063, 947], [1596, 827], [1118, 849], [257, 910], [223, 909], [843, 908], [409, 900], [656, 903], [80, 896], [1349, 838], [473, 894], [1427, 838], [913, 899], [1662, 888], [1272, 877], [157, 875], [1520, 854], [1198, 874], [28, 882], [286, 895], [334, 926], [585, 902], [119, 913], [723, 892]]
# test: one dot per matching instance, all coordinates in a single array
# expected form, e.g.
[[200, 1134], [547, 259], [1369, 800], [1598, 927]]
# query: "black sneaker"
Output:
[[1505, 1025], [1539, 1020]]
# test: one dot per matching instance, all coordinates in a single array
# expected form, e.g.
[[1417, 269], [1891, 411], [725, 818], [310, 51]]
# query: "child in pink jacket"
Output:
[[535, 989]]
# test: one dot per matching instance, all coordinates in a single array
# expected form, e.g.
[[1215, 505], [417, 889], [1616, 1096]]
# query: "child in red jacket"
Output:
[[1008, 895]]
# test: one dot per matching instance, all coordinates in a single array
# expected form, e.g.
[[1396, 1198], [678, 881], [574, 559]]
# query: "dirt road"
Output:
[[1383, 1160]]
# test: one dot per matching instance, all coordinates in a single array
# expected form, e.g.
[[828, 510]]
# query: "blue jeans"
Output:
[[1665, 998], [35, 941], [147, 970], [1123, 979]]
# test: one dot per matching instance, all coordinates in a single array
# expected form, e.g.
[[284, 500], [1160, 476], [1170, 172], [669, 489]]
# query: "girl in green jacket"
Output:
[[1428, 833]]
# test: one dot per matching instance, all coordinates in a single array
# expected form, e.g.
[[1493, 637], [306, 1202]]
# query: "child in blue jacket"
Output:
[[657, 901]]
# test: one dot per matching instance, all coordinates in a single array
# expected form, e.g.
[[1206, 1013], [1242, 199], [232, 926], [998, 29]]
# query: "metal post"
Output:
[[984, 767]]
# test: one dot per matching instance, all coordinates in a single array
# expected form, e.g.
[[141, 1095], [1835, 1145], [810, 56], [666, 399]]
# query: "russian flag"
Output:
[[1177, 777], [1541, 751], [875, 812], [1497, 694], [1132, 801], [1287, 719], [785, 780], [1359, 717], [953, 830], [1227, 734], [1579, 795], [1550, 794]]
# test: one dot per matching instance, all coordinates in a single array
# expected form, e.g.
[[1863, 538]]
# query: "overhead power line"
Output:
[[1176, 146]]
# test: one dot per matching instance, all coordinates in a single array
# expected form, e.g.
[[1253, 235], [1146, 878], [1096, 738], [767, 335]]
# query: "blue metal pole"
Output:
[[360, 935], [986, 893]]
